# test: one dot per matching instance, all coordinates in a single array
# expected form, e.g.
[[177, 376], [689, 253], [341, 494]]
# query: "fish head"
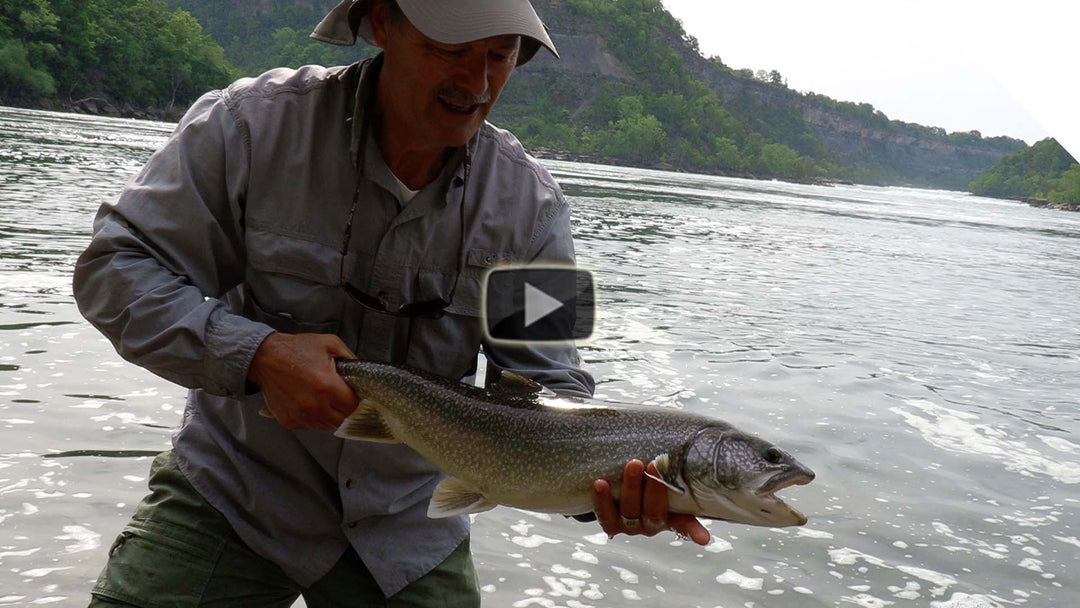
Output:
[[734, 476]]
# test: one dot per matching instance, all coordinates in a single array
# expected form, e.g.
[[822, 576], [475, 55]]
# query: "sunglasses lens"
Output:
[[431, 309]]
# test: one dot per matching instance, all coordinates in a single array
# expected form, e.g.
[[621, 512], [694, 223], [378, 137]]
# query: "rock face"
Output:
[[913, 155], [582, 51]]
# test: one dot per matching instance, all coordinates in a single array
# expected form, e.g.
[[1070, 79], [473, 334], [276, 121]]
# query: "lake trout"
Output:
[[519, 445]]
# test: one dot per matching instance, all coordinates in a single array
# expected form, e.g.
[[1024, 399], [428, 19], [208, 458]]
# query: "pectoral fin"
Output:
[[367, 424], [514, 383], [667, 476], [455, 497], [265, 412]]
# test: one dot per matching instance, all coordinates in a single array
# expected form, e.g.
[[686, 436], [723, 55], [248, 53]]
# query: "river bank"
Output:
[[579, 157], [96, 106], [1047, 204]]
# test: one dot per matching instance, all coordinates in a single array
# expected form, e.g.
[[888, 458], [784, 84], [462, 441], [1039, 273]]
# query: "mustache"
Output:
[[460, 97]]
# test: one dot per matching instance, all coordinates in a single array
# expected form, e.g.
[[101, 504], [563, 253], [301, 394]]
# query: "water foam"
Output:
[[957, 431]]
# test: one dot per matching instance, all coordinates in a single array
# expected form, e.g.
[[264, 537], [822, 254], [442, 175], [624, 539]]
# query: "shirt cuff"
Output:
[[231, 342]]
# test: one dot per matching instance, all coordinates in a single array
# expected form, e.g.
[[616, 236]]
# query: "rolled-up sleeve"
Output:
[[165, 253]]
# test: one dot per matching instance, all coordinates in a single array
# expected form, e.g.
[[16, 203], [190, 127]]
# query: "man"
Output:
[[309, 215]]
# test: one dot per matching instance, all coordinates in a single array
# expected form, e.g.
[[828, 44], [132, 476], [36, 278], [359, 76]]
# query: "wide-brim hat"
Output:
[[445, 21]]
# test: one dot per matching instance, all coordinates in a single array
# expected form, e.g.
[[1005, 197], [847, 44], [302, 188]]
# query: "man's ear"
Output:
[[379, 16]]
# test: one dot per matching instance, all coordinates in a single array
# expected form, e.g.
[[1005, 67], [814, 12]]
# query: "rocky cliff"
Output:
[[853, 134]]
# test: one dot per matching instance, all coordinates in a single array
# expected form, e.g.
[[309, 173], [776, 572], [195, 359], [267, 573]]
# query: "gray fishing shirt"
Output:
[[234, 229]]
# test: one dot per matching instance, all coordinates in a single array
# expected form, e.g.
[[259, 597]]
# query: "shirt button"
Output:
[[350, 483]]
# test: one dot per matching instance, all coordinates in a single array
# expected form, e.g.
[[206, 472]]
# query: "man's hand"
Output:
[[299, 380], [642, 507]]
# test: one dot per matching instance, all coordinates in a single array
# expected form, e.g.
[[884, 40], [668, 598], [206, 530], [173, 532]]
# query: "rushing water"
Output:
[[920, 350]]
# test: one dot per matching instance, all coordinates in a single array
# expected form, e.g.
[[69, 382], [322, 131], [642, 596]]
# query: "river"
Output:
[[920, 350]]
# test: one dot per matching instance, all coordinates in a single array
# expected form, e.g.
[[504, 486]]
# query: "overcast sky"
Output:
[[956, 64]]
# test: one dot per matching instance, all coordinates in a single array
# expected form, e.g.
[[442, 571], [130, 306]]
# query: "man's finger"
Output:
[[343, 402], [336, 347], [690, 527], [344, 399], [630, 490], [604, 507], [654, 504]]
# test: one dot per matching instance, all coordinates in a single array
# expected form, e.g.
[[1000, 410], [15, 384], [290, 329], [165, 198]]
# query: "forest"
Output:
[[1044, 171], [136, 52]]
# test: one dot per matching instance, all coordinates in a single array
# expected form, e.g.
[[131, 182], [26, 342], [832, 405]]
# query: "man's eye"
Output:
[[448, 51]]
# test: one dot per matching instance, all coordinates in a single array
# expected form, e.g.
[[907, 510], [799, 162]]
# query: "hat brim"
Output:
[[457, 22]]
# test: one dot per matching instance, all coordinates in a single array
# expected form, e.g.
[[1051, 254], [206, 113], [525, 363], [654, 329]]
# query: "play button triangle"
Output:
[[538, 304]]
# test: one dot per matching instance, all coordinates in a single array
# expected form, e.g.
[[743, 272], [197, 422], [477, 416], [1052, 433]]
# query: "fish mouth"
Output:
[[795, 476]]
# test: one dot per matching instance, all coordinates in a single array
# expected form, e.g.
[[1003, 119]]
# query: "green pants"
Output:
[[178, 551]]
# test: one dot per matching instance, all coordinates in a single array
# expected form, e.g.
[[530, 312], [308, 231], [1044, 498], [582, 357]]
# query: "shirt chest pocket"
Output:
[[293, 284], [465, 293], [450, 343]]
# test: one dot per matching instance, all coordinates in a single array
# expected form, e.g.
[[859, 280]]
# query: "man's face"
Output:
[[442, 92]]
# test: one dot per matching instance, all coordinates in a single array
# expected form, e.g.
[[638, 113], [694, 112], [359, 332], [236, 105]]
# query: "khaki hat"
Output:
[[445, 21]]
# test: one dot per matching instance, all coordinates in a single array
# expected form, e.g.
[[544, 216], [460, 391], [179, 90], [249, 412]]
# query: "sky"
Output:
[[956, 64]]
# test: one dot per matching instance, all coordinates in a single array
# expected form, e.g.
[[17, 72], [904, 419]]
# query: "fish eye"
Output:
[[774, 455]]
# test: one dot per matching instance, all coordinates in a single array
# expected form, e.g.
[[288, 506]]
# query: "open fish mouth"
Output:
[[795, 476]]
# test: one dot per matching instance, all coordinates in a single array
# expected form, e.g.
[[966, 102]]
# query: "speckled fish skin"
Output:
[[521, 449]]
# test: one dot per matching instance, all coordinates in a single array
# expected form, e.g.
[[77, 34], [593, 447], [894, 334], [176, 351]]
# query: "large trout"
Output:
[[519, 445]]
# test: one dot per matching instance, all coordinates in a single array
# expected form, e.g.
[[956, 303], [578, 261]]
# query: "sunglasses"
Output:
[[425, 309]]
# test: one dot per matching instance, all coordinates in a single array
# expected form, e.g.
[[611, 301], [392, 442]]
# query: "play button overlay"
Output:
[[539, 304]]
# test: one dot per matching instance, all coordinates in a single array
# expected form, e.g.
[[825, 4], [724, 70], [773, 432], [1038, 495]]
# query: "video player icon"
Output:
[[546, 304], [538, 304]]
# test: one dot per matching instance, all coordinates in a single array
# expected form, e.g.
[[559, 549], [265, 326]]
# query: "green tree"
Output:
[[18, 76], [1031, 172], [726, 155], [187, 62], [778, 159], [1067, 188], [124, 51], [635, 136]]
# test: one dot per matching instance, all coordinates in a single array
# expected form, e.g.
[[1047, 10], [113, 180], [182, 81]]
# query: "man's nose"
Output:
[[473, 73]]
